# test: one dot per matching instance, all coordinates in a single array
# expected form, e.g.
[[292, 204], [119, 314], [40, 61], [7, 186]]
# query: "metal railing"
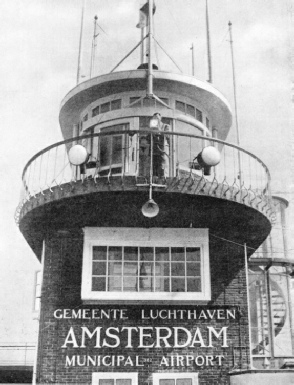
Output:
[[240, 175]]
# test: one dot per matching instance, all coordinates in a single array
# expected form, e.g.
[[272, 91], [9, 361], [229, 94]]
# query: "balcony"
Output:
[[122, 166]]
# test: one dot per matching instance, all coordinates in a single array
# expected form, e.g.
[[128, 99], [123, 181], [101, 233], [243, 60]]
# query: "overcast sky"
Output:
[[39, 48]]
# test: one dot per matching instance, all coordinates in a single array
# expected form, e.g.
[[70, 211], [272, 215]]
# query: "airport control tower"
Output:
[[153, 233]]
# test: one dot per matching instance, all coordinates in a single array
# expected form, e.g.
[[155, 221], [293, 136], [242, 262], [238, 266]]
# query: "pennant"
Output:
[[143, 15]]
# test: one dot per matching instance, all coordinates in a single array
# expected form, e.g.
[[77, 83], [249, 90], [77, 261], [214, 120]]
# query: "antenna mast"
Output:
[[208, 46], [193, 69], [94, 45], [80, 44], [235, 100], [150, 41]]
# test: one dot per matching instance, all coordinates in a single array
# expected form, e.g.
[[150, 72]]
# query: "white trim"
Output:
[[114, 375], [175, 376], [153, 237]]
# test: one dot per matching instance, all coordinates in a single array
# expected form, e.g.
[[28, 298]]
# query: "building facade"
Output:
[[149, 227]]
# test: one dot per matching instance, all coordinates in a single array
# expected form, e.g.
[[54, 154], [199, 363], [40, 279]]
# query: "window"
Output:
[[175, 378], [104, 378], [96, 111], [85, 118], [105, 107], [191, 110], [180, 106], [207, 123], [115, 104], [199, 115], [149, 264]]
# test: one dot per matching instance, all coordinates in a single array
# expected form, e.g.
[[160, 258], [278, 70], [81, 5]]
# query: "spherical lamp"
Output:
[[150, 209], [78, 155]]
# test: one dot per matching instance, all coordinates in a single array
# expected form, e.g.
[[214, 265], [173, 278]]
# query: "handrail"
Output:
[[133, 132]]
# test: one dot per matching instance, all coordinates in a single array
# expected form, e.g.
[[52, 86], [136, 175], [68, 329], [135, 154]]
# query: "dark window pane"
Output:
[[199, 115], [124, 382], [178, 284], [131, 253], [178, 269], [190, 110], [162, 284], [85, 118], [166, 382], [134, 99], [115, 253], [194, 284], [105, 155], [146, 253], [193, 269], [116, 149], [114, 283], [105, 107], [162, 254], [180, 106], [106, 382], [177, 254], [116, 104], [95, 111], [99, 268], [99, 253], [207, 123], [193, 253], [145, 283], [165, 100], [98, 284], [144, 122], [148, 102], [184, 381]]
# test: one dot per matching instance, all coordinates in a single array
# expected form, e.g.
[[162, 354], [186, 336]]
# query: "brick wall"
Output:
[[61, 290]]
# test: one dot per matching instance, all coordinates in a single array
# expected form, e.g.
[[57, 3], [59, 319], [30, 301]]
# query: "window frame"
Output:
[[175, 376], [114, 375], [152, 237]]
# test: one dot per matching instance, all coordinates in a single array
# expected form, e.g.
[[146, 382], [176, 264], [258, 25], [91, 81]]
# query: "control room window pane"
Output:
[[162, 284], [99, 268], [190, 110], [199, 115], [131, 253], [96, 111], [167, 382], [105, 151], [146, 254], [162, 254], [193, 269], [116, 104], [115, 253], [105, 107], [180, 106], [117, 149]]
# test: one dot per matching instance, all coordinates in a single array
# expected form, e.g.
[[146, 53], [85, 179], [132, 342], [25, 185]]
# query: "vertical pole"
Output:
[[150, 43], [80, 44], [208, 46], [193, 64], [142, 50], [248, 303], [235, 101], [93, 52]]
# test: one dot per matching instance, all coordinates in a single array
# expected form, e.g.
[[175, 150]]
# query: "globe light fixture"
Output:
[[78, 155], [155, 121], [150, 209], [207, 158]]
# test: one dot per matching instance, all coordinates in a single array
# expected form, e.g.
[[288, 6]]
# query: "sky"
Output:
[[39, 42]]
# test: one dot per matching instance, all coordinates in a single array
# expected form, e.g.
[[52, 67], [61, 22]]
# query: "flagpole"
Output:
[[92, 67], [208, 46], [150, 40], [80, 44]]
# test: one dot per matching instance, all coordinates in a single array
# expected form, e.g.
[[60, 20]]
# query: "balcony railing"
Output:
[[240, 176], [17, 355]]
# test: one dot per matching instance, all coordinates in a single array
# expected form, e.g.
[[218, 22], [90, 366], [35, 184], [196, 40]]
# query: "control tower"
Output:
[[145, 220]]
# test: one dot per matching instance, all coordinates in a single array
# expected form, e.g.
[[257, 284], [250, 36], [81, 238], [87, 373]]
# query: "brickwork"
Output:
[[61, 290]]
